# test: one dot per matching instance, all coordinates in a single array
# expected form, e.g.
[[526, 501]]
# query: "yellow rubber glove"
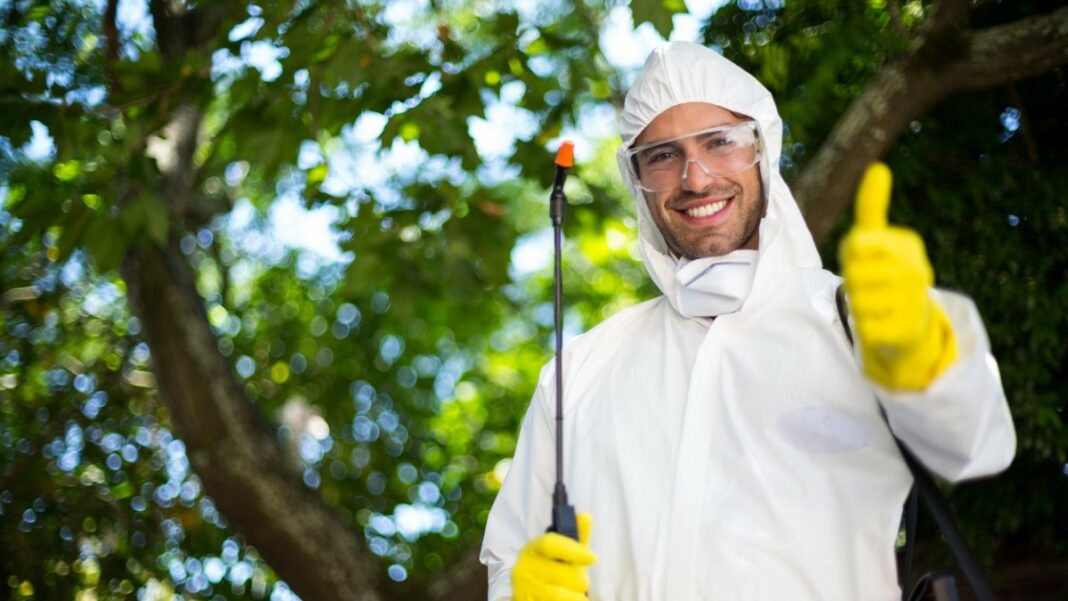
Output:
[[553, 567], [905, 338]]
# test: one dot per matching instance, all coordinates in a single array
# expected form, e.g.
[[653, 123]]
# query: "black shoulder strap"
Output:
[[936, 502]]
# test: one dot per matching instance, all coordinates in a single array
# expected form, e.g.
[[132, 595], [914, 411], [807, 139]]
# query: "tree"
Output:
[[155, 140], [183, 408]]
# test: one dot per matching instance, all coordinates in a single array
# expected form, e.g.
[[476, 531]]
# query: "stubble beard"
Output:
[[718, 243]]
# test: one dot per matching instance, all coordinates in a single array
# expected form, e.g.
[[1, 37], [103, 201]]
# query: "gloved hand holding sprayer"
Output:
[[553, 567]]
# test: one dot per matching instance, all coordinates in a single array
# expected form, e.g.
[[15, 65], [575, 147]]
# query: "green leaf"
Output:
[[67, 170], [409, 131], [657, 12], [317, 174]]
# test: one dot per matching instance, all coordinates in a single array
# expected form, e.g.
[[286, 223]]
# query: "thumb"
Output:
[[873, 197], [585, 525]]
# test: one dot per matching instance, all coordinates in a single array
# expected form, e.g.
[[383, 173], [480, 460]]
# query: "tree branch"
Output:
[[179, 29], [945, 14], [111, 45], [869, 126], [942, 61], [167, 17], [1008, 53]]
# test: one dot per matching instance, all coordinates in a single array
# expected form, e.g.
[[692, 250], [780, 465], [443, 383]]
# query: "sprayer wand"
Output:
[[563, 513]]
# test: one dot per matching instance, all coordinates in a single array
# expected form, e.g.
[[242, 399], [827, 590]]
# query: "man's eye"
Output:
[[660, 156], [719, 142]]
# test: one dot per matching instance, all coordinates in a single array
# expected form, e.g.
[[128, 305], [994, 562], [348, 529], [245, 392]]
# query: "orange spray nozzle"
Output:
[[565, 157]]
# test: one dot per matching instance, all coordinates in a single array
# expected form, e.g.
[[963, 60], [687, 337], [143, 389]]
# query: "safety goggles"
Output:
[[725, 150]]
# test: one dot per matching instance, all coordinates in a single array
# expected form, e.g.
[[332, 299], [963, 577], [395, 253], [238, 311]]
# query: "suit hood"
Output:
[[683, 72]]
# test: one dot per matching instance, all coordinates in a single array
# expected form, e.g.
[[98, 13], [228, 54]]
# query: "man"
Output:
[[726, 436]]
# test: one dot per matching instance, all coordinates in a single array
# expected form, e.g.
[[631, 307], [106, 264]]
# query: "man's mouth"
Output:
[[706, 209]]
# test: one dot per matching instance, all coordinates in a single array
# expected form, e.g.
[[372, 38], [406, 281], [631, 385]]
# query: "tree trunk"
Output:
[[233, 450], [467, 581]]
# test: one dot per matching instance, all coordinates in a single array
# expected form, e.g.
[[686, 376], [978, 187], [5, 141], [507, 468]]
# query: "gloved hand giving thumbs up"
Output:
[[905, 338], [553, 567]]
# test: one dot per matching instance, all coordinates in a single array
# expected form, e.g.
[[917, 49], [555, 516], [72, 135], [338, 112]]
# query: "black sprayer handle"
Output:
[[564, 521]]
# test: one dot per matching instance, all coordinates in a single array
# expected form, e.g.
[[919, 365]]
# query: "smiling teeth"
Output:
[[707, 210]]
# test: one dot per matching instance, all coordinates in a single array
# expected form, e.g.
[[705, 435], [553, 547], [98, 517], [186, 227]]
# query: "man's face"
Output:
[[705, 215]]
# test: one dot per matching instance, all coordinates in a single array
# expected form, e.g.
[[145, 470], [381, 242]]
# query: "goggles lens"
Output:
[[723, 150]]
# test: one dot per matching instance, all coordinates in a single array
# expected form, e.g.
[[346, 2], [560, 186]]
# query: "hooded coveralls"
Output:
[[743, 457]]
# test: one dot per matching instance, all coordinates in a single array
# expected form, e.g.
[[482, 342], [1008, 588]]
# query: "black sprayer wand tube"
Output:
[[563, 514]]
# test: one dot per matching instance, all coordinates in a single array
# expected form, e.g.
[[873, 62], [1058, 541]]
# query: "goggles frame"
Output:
[[748, 125]]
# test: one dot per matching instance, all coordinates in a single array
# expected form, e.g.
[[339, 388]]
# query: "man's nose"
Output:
[[695, 176]]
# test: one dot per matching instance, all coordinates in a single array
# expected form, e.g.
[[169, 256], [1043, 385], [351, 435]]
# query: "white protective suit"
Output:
[[745, 457]]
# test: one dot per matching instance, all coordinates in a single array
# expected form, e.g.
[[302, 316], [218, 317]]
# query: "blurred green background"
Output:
[[328, 219]]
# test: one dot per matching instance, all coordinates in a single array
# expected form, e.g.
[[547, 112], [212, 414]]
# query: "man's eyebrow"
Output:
[[655, 146], [712, 134]]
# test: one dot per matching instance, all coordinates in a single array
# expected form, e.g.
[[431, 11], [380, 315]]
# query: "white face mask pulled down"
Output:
[[714, 286]]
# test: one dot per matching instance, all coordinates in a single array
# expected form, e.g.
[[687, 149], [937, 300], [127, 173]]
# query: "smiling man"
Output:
[[728, 440]]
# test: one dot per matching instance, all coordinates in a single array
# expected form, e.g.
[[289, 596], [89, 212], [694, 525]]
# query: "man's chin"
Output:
[[694, 254], [703, 249], [711, 246]]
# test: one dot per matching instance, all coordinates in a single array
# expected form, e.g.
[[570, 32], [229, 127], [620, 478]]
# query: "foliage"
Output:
[[397, 376]]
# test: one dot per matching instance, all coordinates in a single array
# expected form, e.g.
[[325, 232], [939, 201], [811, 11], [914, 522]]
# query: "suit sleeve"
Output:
[[523, 508], [960, 426]]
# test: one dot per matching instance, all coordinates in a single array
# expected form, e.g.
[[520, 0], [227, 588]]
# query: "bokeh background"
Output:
[[275, 282]]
